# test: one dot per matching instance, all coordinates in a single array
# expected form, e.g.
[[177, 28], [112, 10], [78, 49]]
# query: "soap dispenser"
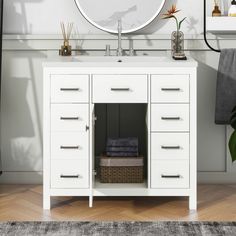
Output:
[[232, 9]]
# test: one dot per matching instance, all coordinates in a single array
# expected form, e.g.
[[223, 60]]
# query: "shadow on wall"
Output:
[[157, 23], [210, 139], [21, 88]]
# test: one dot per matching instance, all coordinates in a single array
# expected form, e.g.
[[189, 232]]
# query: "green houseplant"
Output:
[[232, 140]]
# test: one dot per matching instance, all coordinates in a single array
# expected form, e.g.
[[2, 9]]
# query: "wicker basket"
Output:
[[121, 174]]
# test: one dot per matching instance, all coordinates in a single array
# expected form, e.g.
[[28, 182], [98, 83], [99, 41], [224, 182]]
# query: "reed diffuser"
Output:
[[216, 11], [66, 32]]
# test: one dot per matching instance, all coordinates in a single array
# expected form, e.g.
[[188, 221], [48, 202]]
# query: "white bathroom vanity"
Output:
[[74, 86]]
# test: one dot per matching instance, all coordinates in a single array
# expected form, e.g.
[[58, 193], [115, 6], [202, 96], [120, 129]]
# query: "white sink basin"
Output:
[[116, 60]]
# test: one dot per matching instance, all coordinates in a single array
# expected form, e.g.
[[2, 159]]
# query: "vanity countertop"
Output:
[[113, 61]]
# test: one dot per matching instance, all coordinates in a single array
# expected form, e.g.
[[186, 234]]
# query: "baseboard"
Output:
[[217, 177], [37, 178], [21, 177]]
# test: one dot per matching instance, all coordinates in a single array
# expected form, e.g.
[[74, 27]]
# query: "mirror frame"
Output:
[[115, 31]]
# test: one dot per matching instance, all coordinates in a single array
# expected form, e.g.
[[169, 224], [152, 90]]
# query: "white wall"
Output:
[[22, 80], [44, 16]]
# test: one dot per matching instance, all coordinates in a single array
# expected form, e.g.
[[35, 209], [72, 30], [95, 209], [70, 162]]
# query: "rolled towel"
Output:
[[122, 142], [122, 154], [122, 149]]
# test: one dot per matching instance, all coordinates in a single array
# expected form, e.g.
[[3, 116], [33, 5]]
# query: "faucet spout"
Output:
[[119, 50]]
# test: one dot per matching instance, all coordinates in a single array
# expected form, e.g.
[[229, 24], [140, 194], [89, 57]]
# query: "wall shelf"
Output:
[[221, 24]]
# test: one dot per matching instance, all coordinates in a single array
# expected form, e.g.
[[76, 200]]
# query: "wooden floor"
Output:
[[24, 202]]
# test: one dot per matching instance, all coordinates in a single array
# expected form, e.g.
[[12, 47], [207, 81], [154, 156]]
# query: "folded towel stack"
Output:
[[122, 147]]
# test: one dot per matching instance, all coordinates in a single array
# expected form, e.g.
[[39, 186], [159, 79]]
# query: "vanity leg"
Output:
[[193, 202], [46, 202], [90, 201]]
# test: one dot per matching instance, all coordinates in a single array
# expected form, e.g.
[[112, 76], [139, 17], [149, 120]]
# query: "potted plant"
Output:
[[177, 37], [232, 140]]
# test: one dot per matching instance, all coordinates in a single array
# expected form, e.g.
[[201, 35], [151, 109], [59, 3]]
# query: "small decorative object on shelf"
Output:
[[177, 37], [216, 11], [232, 9], [66, 48]]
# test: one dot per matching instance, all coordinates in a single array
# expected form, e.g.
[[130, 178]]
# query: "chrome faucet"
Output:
[[119, 51]]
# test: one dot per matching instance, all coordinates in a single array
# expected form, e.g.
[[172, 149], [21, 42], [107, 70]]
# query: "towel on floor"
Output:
[[226, 86]]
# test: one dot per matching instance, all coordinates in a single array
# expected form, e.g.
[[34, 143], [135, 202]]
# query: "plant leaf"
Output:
[[233, 122], [232, 146], [234, 109], [180, 23], [233, 119]]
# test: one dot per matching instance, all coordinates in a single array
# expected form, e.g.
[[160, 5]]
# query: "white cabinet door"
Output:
[[69, 88], [170, 174], [119, 89], [170, 146], [69, 145], [69, 174], [69, 117], [170, 88], [170, 117]]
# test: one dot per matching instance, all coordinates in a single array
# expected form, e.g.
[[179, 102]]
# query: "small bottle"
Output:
[[232, 9], [216, 11]]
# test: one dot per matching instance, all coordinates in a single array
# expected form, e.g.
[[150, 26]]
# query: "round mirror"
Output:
[[134, 14]]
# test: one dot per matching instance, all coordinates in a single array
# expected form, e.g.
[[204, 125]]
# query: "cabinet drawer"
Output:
[[170, 146], [69, 145], [120, 89], [69, 174], [170, 88], [170, 117], [69, 88], [170, 174], [69, 117]]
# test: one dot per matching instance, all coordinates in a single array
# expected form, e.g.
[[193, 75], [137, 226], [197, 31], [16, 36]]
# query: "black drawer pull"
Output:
[[69, 176], [120, 89], [69, 89], [170, 89], [170, 147], [69, 147], [170, 176], [69, 118], [171, 118]]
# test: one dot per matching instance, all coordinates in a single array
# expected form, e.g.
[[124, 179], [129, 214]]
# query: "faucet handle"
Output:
[[131, 48], [108, 50]]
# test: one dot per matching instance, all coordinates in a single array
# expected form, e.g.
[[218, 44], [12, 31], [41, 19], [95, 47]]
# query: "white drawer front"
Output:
[[170, 88], [72, 145], [170, 146], [69, 88], [69, 117], [170, 117], [120, 89], [170, 174], [69, 174]]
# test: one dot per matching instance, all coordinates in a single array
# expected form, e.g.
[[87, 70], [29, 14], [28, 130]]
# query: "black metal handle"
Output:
[[69, 147], [170, 89], [69, 176], [69, 118], [69, 89], [171, 118], [204, 28], [170, 147], [120, 89], [170, 176]]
